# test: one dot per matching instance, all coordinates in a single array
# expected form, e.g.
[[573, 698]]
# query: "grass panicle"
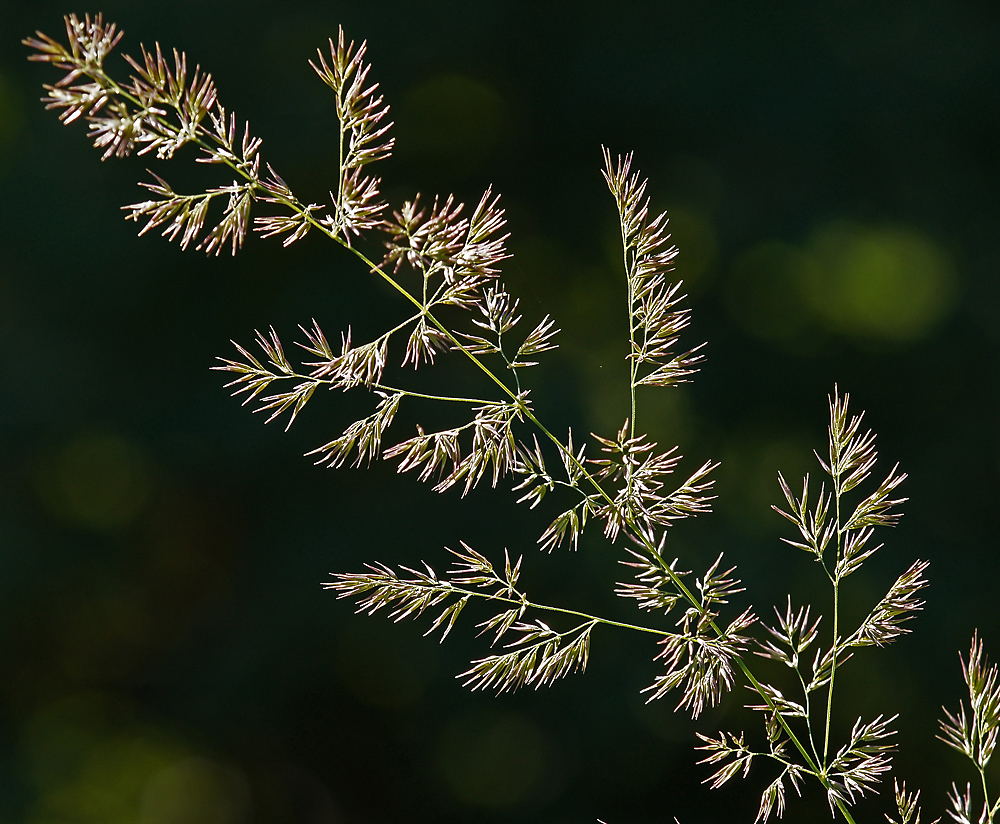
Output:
[[443, 264]]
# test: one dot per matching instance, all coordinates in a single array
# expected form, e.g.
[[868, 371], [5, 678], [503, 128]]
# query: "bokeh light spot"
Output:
[[886, 283], [195, 791], [88, 762]]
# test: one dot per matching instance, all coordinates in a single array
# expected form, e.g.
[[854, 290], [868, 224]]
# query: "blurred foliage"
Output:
[[168, 655]]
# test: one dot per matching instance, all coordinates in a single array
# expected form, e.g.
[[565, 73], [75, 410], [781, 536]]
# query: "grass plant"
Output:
[[444, 262]]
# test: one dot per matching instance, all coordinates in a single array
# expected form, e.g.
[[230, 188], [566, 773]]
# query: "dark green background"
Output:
[[166, 651]]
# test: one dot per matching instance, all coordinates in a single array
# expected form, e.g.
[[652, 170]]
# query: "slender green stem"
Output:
[[808, 709], [986, 795], [546, 608], [384, 387], [833, 669], [340, 164], [835, 578], [633, 362], [410, 394]]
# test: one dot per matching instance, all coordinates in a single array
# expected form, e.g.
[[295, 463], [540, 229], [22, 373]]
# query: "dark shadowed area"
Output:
[[167, 653]]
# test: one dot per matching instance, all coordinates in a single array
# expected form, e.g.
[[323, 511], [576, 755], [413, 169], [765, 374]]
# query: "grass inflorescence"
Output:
[[444, 261]]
